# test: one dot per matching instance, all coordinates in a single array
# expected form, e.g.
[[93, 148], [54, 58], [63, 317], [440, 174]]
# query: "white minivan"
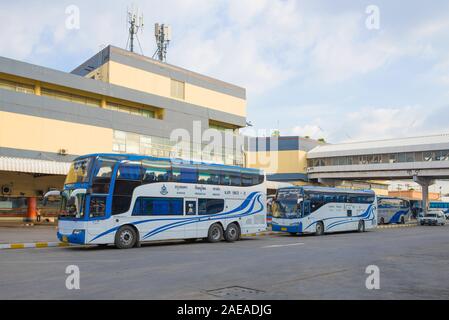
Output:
[[433, 218]]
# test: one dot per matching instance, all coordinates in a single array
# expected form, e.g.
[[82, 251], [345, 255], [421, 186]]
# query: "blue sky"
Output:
[[310, 67]]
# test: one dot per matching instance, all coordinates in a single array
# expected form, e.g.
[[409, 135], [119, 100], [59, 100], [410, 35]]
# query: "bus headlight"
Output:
[[78, 231]]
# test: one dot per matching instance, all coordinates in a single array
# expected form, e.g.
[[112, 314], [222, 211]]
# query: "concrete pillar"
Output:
[[31, 210], [424, 183]]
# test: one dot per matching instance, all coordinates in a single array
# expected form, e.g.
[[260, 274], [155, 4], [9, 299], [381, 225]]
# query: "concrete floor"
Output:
[[413, 262]]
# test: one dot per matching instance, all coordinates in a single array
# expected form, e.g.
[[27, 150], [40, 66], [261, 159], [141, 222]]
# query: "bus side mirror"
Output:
[[54, 193]]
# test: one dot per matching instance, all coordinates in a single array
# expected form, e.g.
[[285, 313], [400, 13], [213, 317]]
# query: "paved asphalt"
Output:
[[413, 262]]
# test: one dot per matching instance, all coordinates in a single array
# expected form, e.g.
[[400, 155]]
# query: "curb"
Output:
[[389, 226], [33, 245], [265, 233]]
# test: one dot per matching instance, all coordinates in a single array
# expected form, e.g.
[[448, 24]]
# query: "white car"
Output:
[[433, 217]]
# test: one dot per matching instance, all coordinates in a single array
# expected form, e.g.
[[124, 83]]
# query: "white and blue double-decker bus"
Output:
[[393, 210], [127, 199], [321, 210]]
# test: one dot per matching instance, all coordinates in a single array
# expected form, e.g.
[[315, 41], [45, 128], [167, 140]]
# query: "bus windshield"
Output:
[[288, 204], [79, 171], [72, 204]]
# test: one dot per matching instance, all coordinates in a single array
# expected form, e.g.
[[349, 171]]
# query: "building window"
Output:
[[130, 110], [177, 89], [64, 96], [15, 86]]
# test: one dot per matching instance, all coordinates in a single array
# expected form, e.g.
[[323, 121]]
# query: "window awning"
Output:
[[34, 166]]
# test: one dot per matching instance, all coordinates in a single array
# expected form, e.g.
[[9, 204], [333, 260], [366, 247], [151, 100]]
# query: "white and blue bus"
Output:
[[393, 210], [127, 199], [319, 210]]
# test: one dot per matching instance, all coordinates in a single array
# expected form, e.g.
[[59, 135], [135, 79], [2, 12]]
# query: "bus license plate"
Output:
[[283, 229], [65, 239]]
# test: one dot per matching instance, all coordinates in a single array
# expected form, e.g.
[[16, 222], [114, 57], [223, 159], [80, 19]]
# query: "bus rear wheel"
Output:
[[125, 238], [215, 233], [232, 233], [402, 220], [361, 227], [382, 221], [319, 229]]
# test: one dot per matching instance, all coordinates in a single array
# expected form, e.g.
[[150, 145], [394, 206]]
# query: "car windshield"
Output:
[[79, 171]]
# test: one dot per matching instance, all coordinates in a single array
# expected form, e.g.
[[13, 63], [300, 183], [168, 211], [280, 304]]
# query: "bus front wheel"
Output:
[[232, 233], [215, 233], [402, 220], [319, 229], [125, 237]]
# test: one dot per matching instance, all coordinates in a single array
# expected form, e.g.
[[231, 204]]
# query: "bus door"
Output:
[[191, 211]]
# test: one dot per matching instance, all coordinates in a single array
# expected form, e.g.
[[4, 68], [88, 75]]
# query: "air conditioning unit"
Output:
[[6, 190]]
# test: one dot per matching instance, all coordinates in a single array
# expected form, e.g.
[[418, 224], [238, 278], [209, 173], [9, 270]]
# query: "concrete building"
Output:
[[284, 159], [116, 101]]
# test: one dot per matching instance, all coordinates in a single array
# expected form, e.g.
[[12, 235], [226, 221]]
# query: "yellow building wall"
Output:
[[101, 73], [145, 81], [291, 161], [33, 133]]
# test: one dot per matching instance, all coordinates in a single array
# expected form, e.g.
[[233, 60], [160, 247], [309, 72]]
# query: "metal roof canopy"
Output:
[[413, 144], [34, 166]]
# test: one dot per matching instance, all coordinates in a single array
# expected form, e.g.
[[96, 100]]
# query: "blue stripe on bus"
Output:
[[182, 223], [397, 216], [366, 215], [187, 220]]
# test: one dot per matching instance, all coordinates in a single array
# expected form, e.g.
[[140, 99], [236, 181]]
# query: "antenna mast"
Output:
[[135, 25], [162, 33]]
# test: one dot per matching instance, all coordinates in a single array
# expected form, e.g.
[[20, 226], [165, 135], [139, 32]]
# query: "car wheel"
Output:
[[232, 233], [319, 229], [215, 233], [125, 237]]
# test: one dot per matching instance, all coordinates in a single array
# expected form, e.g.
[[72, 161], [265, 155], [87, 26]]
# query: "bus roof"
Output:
[[393, 198], [329, 190], [135, 157]]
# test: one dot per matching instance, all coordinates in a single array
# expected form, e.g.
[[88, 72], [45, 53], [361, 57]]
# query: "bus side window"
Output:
[[155, 171], [97, 206], [210, 206], [306, 208]]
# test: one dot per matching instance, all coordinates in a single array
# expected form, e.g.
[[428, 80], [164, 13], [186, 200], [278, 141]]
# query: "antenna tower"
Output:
[[135, 23], [162, 32]]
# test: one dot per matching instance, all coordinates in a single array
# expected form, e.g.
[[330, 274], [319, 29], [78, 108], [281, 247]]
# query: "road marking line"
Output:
[[284, 245]]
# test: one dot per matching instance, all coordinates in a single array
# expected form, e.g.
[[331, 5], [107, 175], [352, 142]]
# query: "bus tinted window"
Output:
[[120, 204], [184, 173], [150, 206], [130, 171], [155, 171], [207, 175], [210, 206], [102, 175]]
